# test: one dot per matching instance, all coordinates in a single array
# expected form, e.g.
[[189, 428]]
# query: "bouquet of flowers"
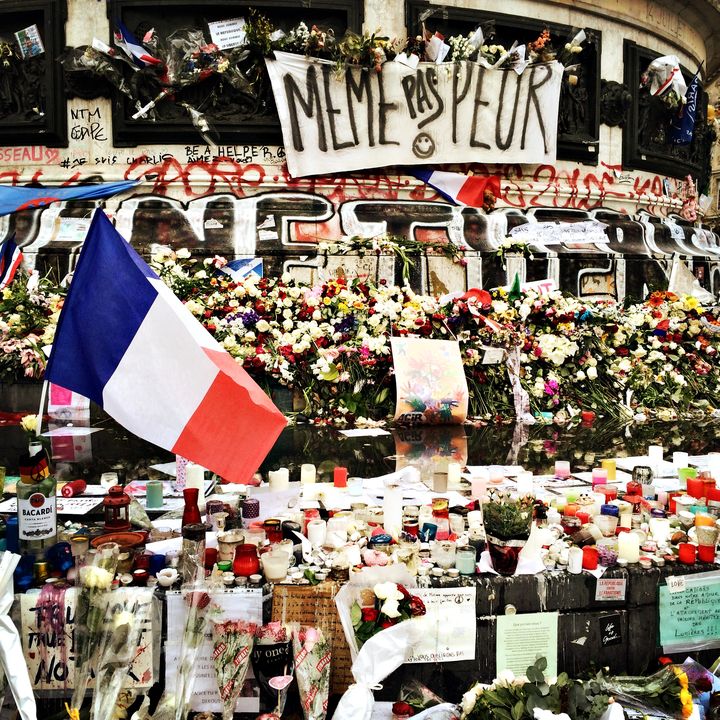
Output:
[[272, 664], [312, 656], [381, 625], [232, 647], [123, 635], [94, 589]]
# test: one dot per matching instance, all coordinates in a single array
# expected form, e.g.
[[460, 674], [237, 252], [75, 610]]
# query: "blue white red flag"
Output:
[[125, 341], [14, 199], [128, 43], [458, 188], [682, 127], [10, 259]]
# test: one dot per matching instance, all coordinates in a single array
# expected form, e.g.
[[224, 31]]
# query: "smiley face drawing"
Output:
[[423, 146]]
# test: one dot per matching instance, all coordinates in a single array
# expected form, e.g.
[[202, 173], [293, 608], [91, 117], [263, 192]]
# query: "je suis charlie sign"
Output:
[[455, 112]]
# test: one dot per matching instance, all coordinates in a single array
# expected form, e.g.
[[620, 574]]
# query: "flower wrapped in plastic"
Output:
[[94, 591], [232, 642], [382, 626], [312, 658], [272, 665], [123, 634]]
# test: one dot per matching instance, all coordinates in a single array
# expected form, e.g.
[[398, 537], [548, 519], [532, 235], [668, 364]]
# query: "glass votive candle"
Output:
[[562, 469], [442, 553], [571, 509], [695, 486], [599, 476], [610, 466], [340, 477], [79, 545], [610, 492], [583, 516], [275, 565], [607, 524], [706, 553], [411, 526], [273, 530], [704, 519], [465, 560], [457, 523], [685, 473], [686, 553], [255, 535]]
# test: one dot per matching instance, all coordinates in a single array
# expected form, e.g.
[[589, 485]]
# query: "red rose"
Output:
[[622, 351], [406, 595], [402, 709], [385, 624], [198, 599], [369, 614], [417, 606]]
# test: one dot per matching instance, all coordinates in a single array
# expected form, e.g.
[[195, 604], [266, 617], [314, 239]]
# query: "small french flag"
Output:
[[125, 341], [10, 259], [458, 188], [242, 267], [128, 43]]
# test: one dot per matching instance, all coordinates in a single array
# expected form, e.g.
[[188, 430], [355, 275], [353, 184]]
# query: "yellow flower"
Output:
[[685, 696], [29, 423], [690, 303]]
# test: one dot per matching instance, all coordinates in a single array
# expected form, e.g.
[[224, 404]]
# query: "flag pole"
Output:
[[43, 396]]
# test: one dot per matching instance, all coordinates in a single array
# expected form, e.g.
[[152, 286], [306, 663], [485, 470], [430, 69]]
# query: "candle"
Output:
[[608, 492], [629, 547], [625, 520], [195, 478], [355, 486], [153, 494], [571, 509], [706, 553], [686, 553], [279, 479], [524, 483], [599, 476], [316, 532], [575, 560], [474, 518], [465, 560], [660, 529], [655, 454], [583, 517], [562, 469], [453, 473], [478, 485], [307, 474], [590, 557], [610, 467], [392, 510], [340, 475], [695, 487], [680, 460]]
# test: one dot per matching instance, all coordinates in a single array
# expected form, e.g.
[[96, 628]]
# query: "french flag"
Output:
[[125, 341], [10, 259], [458, 188], [128, 43]]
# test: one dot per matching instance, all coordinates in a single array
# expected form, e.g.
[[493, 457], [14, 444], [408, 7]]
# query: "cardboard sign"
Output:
[[690, 612], [50, 659], [228, 34], [413, 116]]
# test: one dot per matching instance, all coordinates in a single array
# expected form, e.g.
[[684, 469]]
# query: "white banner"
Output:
[[432, 114]]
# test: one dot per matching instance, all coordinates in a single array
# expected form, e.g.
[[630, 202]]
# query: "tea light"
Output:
[[279, 479], [599, 476], [308, 474], [629, 547], [562, 469], [610, 466]]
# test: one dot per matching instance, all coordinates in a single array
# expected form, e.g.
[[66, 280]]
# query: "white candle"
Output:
[[336, 532], [279, 479], [660, 530], [629, 547], [478, 484], [655, 454], [316, 530], [453, 473], [575, 558], [392, 510], [525, 483], [307, 474], [195, 478], [680, 460], [474, 518]]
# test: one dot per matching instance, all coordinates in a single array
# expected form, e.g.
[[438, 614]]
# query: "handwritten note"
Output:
[[522, 639], [50, 656], [450, 625], [690, 617]]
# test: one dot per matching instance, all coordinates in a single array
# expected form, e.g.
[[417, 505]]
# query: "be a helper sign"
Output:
[[433, 114]]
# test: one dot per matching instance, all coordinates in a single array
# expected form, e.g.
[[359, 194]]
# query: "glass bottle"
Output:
[[36, 504], [191, 511], [192, 558]]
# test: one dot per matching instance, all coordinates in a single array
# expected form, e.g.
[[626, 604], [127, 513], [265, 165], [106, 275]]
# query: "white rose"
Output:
[[592, 372], [390, 608], [262, 326], [182, 254], [468, 702]]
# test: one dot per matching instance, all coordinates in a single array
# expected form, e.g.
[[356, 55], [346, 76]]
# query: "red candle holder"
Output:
[[211, 556], [695, 487], [609, 491], [340, 476], [706, 553], [590, 557], [686, 553]]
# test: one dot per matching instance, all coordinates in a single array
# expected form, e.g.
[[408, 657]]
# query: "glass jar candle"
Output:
[[443, 553], [465, 560]]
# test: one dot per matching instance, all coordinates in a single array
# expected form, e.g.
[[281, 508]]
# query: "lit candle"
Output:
[[629, 547], [562, 469], [279, 479], [307, 474], [610, 467]]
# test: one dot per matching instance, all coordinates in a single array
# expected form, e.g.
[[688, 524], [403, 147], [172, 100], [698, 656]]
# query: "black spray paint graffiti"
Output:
[[634, 255]]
